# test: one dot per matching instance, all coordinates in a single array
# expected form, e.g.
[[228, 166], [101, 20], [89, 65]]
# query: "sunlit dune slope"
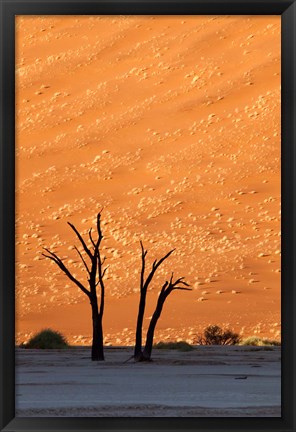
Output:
[[172, 126]]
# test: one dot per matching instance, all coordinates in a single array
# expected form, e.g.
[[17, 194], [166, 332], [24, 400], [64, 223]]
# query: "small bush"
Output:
[[256, 341], [215, 335], [47, 339], [180, 346]]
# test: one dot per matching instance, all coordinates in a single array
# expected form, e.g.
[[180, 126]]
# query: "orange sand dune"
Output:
[[172, 125]]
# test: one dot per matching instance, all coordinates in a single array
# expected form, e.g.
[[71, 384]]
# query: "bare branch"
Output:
[[164, 287], [82, 259], [180, 281], [81, 240], [155, 266], [158, 263], [181, 288], [99, 225], [96, 261], [103, 274], [91, 239], [106, 268], [62, 266], [171, 286], [144, 253]]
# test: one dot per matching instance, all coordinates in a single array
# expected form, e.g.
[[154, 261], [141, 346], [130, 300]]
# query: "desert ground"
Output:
[[206, 382], [171, 125]]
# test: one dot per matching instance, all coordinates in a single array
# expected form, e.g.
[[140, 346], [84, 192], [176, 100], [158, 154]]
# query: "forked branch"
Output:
[[52, 256]]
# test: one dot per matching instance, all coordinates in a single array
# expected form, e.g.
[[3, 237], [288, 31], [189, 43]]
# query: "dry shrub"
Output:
[[215, 335]]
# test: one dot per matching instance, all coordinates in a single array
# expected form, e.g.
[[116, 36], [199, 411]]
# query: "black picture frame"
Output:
[[9, 9]]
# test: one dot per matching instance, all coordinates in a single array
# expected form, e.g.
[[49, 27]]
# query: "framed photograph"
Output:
[[147, 215]]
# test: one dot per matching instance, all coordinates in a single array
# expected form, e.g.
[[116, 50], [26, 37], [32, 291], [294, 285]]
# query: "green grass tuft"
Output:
[[180, 346], [256, 341], [47, 339]]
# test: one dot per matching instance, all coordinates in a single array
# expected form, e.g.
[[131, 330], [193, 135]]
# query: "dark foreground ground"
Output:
[[206, 382]]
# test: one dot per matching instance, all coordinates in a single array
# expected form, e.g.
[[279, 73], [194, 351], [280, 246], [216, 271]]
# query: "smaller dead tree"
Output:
[[167, 288], [95, 277], [144, 284]]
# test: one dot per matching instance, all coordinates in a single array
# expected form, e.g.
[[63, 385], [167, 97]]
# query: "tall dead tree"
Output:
[[95, 277], [167, 288]]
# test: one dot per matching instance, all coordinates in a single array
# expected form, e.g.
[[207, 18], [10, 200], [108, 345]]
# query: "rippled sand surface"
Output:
[[172, 126]]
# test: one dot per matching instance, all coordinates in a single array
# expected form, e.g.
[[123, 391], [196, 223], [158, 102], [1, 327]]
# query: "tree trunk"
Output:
[[150, 333], [97, 350], [138, 345]]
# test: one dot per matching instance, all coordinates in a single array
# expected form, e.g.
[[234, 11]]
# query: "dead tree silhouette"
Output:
[[95, 277], [167, 288]]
